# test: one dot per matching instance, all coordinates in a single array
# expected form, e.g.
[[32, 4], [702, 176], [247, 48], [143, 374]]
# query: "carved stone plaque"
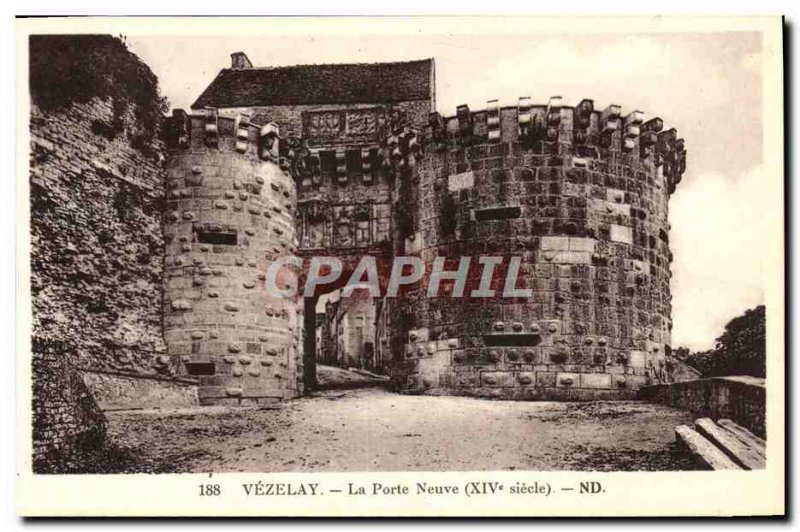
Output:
[[342, 126], [361, 123], [325, 124]]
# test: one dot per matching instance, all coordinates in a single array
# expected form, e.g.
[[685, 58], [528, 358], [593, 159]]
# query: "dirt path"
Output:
[[374, 430]]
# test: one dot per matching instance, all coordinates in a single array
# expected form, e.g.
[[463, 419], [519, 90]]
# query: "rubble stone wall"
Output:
[[67, 422], [96, 194], [96, 241]]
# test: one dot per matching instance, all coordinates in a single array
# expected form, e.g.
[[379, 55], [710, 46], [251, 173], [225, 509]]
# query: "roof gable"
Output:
[[320, 84]]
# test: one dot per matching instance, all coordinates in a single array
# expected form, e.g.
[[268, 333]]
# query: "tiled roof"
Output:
[[320, 84]]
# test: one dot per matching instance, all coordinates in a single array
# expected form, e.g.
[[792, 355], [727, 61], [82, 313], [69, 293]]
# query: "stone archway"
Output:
[[349, 259]]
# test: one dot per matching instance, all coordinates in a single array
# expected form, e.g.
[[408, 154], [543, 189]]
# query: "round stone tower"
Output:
[[579, 198], [230, 212]]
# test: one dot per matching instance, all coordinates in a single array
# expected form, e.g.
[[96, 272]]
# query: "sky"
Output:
[[708, 86]]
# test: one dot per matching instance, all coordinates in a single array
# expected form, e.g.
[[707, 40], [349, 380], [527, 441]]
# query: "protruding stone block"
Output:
[[524, 116], [621, 233], [241, 131], [465, 126], [493, 120], [211, 127]]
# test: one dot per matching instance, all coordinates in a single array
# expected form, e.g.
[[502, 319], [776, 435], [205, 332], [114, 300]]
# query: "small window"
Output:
[[200, 368], [217, 238], [327, 162], [497, 213], [353, 161]]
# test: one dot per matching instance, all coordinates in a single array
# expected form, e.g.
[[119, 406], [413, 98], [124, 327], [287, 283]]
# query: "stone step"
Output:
[[740, 453], [703, 449], [745, 436]]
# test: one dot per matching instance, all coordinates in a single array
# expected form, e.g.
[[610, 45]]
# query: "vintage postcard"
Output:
[[464, 266]]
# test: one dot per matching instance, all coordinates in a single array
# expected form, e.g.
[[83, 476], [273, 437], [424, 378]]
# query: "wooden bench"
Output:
[[723, 445]]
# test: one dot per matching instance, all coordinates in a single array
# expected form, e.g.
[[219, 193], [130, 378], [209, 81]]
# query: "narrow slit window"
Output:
[[200, 368], [497, 213], [217, 238]]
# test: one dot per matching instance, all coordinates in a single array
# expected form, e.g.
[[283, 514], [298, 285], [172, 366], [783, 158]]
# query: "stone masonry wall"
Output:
[[230, 214], [350, 217], [580, 197], [344, 190], [353, 321], [740, 398]]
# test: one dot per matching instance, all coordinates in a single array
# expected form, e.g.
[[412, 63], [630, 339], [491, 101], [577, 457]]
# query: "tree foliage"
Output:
[[740, 350]]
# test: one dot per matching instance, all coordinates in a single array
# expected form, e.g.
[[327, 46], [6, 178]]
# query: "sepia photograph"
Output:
[[455, 246]]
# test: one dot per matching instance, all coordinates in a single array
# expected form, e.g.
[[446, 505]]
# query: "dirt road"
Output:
[[372, 429]]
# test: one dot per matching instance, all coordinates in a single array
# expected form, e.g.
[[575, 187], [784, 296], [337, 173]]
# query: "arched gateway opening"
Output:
[[341, 325]]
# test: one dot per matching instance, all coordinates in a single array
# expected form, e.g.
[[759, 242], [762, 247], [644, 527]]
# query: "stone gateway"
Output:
[[151, 253], [348, 161]]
